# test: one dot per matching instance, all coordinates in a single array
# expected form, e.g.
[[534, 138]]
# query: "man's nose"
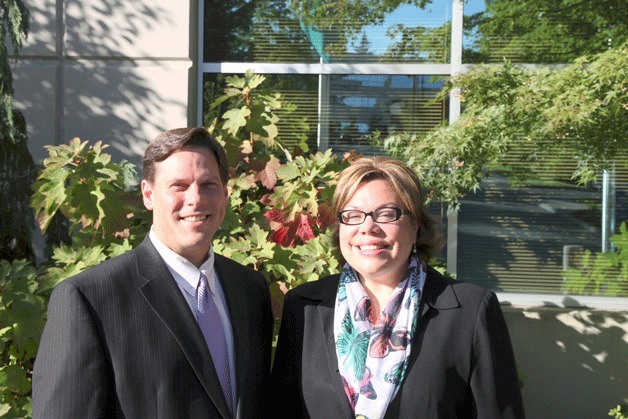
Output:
[[193, 195]]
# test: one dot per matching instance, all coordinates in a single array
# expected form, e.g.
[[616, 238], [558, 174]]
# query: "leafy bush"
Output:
[[617, 413], [277, 221], [22, 310], [601, 273], [93, 194]]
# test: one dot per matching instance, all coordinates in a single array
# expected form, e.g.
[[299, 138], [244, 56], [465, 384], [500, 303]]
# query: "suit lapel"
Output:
[[165, 298], [237, 316]]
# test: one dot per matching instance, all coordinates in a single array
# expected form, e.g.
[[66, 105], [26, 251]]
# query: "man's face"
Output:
[[188, 201]]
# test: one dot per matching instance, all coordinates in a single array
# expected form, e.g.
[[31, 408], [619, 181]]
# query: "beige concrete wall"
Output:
[[573, 362], [120, 72]]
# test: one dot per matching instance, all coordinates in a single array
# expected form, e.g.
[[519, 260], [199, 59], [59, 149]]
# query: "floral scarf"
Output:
[[373, 355]]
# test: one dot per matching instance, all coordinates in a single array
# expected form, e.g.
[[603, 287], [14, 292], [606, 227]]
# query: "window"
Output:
[[376, 68]]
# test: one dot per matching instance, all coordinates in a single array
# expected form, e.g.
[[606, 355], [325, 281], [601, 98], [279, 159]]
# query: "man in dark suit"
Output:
[[126, 338]]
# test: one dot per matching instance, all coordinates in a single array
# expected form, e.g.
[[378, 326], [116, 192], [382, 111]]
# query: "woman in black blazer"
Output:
[[390, 337]]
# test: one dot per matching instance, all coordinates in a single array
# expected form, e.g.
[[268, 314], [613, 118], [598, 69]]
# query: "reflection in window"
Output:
[[293, 31], [362, 104], [541, 31], [351, 109]]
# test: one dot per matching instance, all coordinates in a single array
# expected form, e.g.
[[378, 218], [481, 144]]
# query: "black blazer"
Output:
[[121, 341], [461, 363]]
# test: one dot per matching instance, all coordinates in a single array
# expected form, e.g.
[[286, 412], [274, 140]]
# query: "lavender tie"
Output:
[[211, 325]]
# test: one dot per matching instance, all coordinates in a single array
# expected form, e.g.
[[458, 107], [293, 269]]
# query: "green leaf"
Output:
[[288, 172], [254, 80], [235, 119]]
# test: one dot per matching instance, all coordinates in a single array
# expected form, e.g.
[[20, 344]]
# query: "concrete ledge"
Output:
[[525, 300]]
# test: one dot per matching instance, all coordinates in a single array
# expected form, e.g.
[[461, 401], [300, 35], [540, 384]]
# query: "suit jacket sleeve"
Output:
[[70, 378], [494, 381]]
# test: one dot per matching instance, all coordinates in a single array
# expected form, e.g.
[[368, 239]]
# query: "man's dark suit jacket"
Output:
[[121, 341], [461, 363]]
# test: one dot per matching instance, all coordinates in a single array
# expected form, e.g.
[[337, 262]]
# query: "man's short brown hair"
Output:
[[169, 142]]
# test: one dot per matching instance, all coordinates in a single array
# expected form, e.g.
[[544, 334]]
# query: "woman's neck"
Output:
[[378, 292]]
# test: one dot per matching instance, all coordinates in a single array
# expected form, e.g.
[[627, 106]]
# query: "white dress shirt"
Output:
[[187, 276]]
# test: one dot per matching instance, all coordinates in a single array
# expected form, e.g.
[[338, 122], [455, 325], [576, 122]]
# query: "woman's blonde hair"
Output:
[[406, 185]]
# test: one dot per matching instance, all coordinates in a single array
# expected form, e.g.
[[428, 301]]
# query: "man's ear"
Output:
[[147, 194]]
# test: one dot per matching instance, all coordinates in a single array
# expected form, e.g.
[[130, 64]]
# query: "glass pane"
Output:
[[530, 222], [359, 105], [301, 91], [335, 32], [541, 31], [352, 107]]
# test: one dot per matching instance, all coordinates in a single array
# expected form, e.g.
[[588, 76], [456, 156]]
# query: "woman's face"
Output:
[[378, 251]]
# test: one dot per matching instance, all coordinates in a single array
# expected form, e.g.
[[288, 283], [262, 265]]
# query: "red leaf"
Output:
[[276, 218], [325, 216], [280, 235], [304, 229]]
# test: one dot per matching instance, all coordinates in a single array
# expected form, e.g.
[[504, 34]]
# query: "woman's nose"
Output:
[[368, 225]]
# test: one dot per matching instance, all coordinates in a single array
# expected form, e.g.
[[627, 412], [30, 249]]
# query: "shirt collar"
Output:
[[183, 268]]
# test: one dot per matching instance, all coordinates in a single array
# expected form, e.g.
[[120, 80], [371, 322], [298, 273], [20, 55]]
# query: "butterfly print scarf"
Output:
[[373, 348]]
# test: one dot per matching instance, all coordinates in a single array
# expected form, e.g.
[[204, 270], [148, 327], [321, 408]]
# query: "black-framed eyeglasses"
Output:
[[382, 215]]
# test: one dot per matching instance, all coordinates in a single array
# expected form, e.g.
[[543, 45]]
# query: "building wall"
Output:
[[120, 72], [572, 362]]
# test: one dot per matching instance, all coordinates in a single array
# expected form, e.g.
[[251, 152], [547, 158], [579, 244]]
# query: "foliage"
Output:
[[22, 310], [341, 22], [528, 30], [617, 412], [17, 173], [580, 108], [524, 31], [352, 16], [419, 44], [94, 194], [601, 273], [14, 27], [17, 169], [278, 211]]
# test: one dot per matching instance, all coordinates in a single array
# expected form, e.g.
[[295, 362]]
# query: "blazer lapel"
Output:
[[438, 293], [326, 309], [164, 296]]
